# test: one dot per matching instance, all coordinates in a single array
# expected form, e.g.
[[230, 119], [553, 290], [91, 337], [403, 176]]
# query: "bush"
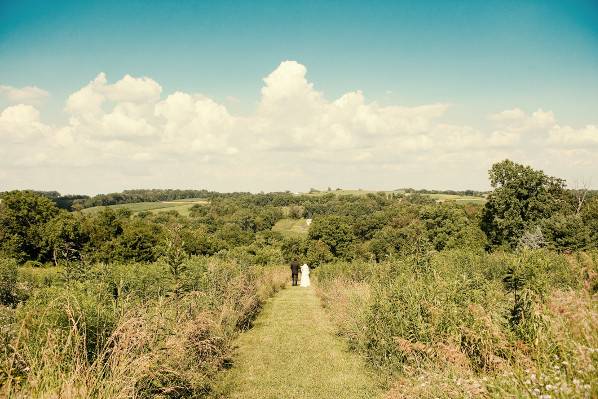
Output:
[[8, 281], [566, 232]]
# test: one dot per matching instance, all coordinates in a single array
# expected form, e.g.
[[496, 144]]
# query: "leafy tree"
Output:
[[234, 235], [380, 247], [197, 241], [566, 232], [138, 242], [366, 226], [22, 216], [335, 232], [103, 228], [318, 253], [64, 237], [521, 198], [589, 216], [449, 227], [293, 247]]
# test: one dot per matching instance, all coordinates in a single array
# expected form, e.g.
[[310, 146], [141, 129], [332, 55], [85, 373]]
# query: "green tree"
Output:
[[64, 238], [589, 215], [138, 242], [23, 215], [318, 253], [293, 247], [333, 231], [566, 232], [521, 198], [234, 235]]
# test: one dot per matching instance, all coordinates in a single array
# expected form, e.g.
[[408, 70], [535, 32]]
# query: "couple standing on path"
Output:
[[304, 273]]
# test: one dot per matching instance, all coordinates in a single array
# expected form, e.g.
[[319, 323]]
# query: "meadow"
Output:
[[466, 324], [127, 330], [183, 207], [291, 227], [421, 298]]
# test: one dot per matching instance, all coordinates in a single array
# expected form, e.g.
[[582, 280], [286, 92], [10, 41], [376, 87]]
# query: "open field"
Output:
[[181, 206], [348, 192], [462, 199], [291, 227], [442, 197], [437, 298]]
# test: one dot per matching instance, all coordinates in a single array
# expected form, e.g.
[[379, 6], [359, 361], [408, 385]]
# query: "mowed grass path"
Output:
[[291, 352]]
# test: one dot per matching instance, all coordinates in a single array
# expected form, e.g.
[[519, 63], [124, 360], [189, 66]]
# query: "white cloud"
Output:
[[517, 120], [569, 137], [20, 122], [509, 115], [23, 95], [127, 130], [91, 98]]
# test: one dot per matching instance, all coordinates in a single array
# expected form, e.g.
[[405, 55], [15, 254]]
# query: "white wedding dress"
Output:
[[305, 276]]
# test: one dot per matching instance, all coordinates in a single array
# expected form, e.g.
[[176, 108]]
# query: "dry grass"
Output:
[[444, 333], [166, 347]]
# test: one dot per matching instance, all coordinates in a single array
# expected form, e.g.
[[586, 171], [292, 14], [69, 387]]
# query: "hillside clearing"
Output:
[[291, 227], [181, 206]]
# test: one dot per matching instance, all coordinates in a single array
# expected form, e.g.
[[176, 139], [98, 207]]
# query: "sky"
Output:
[[101, 96]]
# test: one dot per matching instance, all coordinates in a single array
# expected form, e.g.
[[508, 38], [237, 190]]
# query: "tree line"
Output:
[[526, 208]]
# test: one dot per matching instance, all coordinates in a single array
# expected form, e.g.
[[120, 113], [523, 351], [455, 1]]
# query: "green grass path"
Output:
[[291, 352]]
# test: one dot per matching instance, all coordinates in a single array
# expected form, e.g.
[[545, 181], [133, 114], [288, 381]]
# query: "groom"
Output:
[[295, 271]]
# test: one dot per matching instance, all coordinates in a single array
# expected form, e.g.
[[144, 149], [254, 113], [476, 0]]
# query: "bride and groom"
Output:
[[304, 273]]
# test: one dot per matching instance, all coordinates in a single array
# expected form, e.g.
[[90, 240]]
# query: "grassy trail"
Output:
[[292, 353]]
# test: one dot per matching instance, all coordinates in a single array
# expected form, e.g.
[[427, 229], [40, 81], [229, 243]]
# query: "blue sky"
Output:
[[499, 53], [481, 57]]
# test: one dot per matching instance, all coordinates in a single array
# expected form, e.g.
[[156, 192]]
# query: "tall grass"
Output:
[[120, 332], [454, 326]]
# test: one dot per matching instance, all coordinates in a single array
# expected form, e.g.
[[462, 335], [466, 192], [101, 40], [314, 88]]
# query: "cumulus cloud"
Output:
[[296, 135], [517, 120], [568, 137], [21, 122], [23, 95]]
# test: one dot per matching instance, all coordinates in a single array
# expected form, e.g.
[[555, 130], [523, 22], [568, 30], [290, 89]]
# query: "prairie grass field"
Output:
[[127, 330], [451, 327], [414, 294], [298, 199]]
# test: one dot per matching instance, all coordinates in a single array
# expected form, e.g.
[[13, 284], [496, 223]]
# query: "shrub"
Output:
[[8, 281]]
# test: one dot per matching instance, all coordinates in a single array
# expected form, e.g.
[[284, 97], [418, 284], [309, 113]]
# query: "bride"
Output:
[[305, 275]]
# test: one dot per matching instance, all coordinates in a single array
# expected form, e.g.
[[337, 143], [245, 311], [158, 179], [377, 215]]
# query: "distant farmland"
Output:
[[181, 206], [462, 199]]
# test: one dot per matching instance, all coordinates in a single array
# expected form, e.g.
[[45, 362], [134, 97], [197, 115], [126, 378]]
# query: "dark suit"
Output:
[[294, 271]]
